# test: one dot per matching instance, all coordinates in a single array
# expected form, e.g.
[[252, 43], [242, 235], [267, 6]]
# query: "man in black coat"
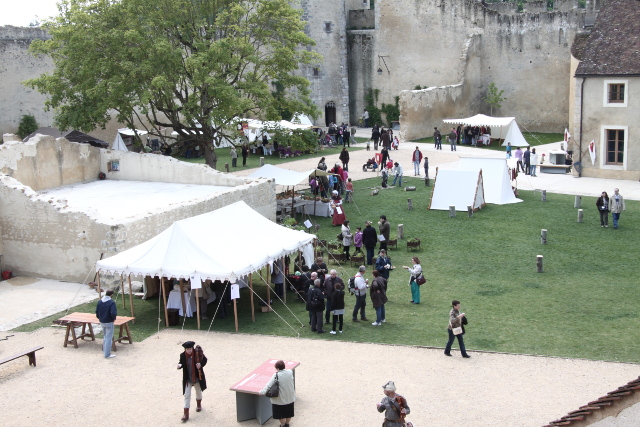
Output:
[[369, 241], [315, 305], [375, 135], [526, 157], [191, 362]]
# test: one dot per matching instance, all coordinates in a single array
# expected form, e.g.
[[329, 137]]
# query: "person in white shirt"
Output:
[[361, 295], [397, 172], [533, 161]]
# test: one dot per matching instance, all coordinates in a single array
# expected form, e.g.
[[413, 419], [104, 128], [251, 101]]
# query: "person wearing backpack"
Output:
[[316, 307], [361, 295], [331, 283], [337, 304]]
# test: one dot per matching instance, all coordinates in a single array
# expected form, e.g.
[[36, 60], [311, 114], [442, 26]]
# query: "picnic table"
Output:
[[249, 403], [74, 320]]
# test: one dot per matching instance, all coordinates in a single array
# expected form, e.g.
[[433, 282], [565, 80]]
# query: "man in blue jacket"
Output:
[[107, 312]]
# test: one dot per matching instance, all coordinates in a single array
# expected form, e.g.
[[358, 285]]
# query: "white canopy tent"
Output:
[[495, 178], [118, 144], [459, 188], [501, 127], [208, 245]]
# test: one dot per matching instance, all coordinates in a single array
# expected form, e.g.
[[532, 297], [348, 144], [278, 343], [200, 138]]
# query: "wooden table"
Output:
[[74, 320], [249, 403]]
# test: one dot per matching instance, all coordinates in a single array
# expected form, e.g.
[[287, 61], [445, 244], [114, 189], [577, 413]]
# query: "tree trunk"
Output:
[[210, 156]]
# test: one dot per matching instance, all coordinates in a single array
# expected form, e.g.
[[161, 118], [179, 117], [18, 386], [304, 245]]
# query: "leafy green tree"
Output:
[[192, 65], [494, 97], [28, 125]]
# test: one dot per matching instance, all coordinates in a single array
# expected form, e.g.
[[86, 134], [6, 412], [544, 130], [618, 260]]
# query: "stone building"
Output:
[[57, 218], [606, 94], [452, 48]]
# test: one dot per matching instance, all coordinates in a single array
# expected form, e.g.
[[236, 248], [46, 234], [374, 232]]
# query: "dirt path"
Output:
[[338, 383]]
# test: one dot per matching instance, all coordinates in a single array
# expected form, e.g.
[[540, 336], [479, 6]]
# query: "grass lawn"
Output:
[[583, 305], [533, 138], [253, 161]]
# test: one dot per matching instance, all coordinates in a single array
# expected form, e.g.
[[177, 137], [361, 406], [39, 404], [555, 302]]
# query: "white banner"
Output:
[[592, 151], [235, 291], [196, 282]]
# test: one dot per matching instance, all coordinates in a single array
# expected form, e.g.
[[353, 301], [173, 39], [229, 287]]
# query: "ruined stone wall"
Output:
[[16, 66], [45, 239], [527, 55]]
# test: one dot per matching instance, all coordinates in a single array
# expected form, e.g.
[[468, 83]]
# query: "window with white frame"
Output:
[[615, 93], [614, 146]]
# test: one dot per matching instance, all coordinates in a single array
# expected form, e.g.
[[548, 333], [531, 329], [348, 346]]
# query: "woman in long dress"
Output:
[[415, 271], [336, 204]]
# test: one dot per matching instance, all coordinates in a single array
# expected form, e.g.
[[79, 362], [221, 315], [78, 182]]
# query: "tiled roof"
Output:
[[613, 47], [604, 402]]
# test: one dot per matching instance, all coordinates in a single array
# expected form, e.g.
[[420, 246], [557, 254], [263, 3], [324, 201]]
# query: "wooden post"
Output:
[[375, 192], [544, 195], [452, 211], [400, 231], [198, 306], [184, 304], [253, 310], [580, 215], [426, 182], [99, 290], [122, 291], [164, 297], [578, 203], [409, 204], [261, 164], [131, 298], [539, 259], [470, 211], [268, 288], [226, 167], [543, 236], [235, 313]]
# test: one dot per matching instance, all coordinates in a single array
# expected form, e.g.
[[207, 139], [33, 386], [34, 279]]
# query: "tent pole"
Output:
[[122, 289], [268, 290], [99, 290], [184, 305], [293, 193], [164, 297], [198, 306], [253, 311], [131, 299], [235, 313]]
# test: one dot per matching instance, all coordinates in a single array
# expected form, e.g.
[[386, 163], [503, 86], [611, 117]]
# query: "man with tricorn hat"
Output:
[[192, 360], [394, 406]]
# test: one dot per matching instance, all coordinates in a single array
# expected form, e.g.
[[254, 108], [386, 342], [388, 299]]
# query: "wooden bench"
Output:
[[31, 354], [549, 168]]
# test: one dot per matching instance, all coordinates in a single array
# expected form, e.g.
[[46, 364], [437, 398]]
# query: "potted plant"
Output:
[[413, 243]]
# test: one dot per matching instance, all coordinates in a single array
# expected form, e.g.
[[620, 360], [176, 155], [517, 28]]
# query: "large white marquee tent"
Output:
[[212, 246]]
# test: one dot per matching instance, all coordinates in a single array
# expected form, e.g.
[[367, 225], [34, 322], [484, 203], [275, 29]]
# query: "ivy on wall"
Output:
[[391, 111]]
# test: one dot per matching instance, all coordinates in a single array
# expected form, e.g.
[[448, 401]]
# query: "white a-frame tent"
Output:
[[459, 188], [495, 178]]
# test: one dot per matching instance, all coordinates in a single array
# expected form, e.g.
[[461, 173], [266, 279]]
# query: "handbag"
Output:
[[456, 331], [421, 280], [274, 390]]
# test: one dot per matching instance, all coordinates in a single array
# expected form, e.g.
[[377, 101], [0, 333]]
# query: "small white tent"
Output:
[[459, 188], [495, 178], [514, 136], [118, 144]]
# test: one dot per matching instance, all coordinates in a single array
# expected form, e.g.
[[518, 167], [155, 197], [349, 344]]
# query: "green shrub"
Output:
[[28, 125]]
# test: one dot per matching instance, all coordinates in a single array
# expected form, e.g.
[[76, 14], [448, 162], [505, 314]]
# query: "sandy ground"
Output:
[[26, 299], [338, 383], [446, 159]]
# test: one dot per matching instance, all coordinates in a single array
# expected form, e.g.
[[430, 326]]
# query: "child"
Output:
[[349, 196], [385, 177], [357, 240], [395, 143]]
